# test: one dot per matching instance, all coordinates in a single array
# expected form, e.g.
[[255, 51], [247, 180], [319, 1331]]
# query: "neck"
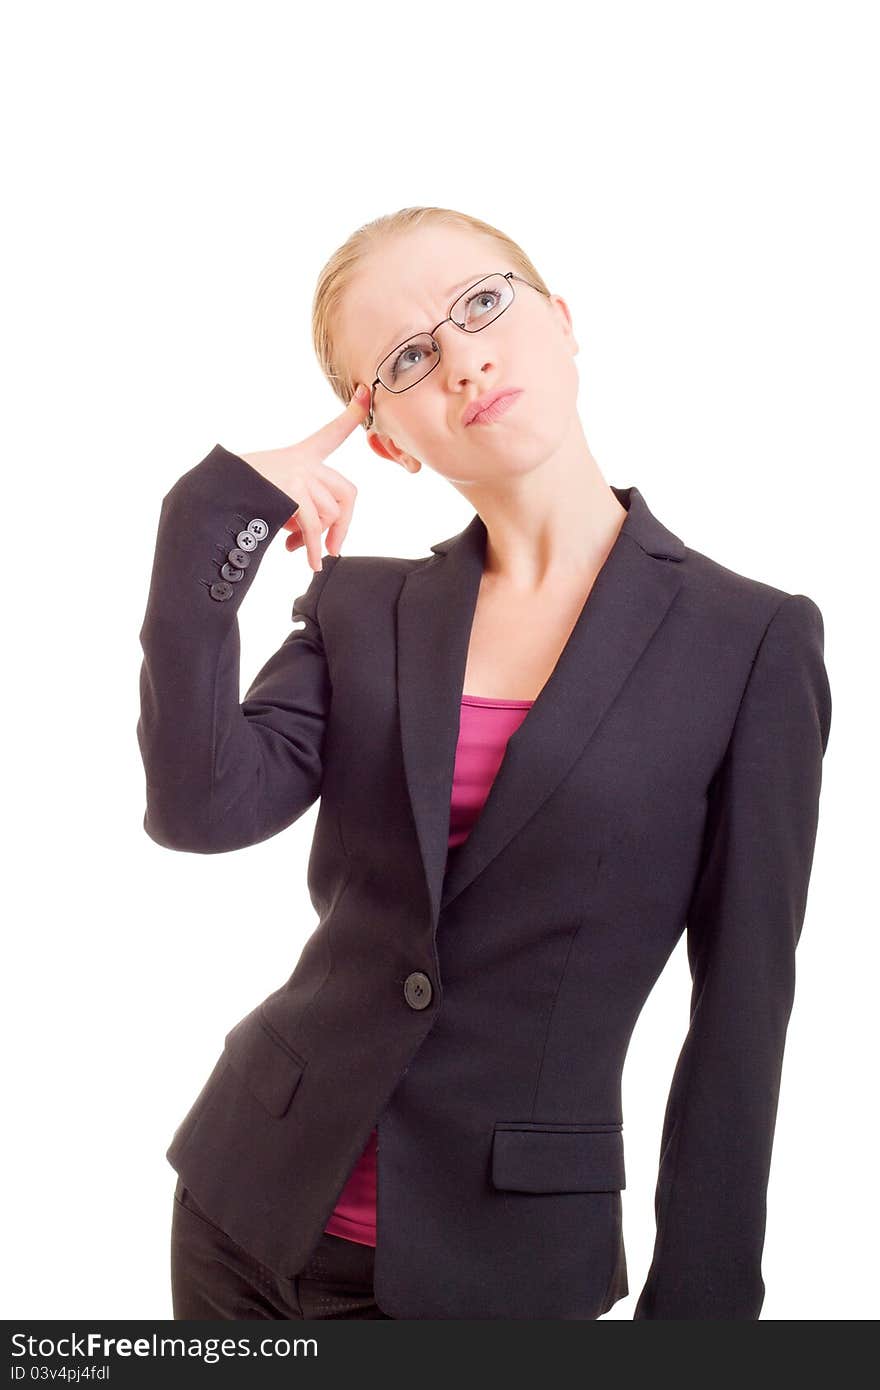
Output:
[[555, 521]]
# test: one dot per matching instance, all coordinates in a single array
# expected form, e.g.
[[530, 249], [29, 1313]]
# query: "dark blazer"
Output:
[[478, 1004]]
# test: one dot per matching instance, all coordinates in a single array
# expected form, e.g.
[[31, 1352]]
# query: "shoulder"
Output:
[[352, 585], [737, 606], [352, 572], [760, 643]]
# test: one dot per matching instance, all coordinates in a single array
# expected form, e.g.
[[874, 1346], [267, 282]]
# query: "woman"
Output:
[[541, 753]]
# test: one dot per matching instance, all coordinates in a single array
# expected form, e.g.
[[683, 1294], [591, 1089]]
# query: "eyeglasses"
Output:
[[411, 361]]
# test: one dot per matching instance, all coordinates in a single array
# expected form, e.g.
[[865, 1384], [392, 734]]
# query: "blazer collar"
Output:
[[435, 613]]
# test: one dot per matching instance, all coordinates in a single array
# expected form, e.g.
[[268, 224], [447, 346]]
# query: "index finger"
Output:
[[331, 435]]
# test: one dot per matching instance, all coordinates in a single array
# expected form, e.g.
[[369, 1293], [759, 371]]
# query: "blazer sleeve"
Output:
[[743, 925], [223, 773]]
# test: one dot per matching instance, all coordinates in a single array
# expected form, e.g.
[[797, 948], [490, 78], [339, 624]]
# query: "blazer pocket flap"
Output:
[[265, 1062], [558, 1158]]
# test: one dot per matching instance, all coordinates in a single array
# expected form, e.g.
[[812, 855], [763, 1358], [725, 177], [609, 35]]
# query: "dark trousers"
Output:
[[212, 1277]]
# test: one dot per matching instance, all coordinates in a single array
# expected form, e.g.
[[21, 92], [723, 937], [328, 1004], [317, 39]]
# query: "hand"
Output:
[[326, 498]]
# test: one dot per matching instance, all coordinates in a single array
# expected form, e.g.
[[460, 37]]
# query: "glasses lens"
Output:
[[482, 303], [408, 364]]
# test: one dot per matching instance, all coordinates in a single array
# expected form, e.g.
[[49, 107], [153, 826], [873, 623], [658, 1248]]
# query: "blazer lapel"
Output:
[[435, 613]]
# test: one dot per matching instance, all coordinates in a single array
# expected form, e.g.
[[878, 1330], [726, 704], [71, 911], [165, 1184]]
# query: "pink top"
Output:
[[486, 725]]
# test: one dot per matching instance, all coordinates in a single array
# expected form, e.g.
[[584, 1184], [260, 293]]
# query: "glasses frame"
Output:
[[508, 275]]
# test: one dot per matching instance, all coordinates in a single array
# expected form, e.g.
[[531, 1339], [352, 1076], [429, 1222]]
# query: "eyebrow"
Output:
[[461, 285]]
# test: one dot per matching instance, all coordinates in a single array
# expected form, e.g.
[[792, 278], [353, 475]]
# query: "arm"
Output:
[[743, 925], [221, 774]]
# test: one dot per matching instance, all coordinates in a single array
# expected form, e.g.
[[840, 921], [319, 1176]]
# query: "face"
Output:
[[404, 288]]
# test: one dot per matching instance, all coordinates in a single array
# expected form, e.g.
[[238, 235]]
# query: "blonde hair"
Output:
[[340, 269]]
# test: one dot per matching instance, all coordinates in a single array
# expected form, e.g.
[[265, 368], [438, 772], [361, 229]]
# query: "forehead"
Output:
[[405, 289], [445, 298]]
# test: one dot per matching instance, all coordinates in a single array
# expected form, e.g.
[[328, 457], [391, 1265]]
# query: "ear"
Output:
[[563, 313], [387, 449]]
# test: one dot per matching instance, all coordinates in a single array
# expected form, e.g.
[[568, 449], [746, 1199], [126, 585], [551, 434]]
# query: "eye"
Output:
[[482, 294], [399, 363]]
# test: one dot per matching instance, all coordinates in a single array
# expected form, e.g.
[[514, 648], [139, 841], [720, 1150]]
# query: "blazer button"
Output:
[[246, 540], [259, 528], [221, 589], [417, 990]]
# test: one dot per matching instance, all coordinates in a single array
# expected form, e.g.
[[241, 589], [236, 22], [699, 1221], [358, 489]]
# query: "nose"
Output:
[[463, 356]]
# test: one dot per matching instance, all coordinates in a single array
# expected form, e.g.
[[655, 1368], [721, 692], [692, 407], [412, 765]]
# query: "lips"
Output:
[[491, 406]]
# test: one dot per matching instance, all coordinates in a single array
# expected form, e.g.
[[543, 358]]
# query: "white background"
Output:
[[699, 183]]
